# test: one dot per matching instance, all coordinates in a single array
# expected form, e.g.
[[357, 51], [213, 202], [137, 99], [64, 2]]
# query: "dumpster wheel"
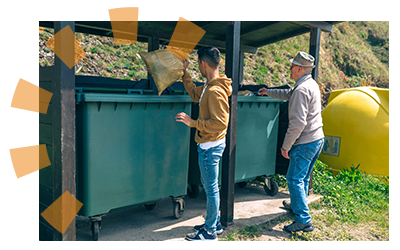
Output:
[[150, 206], [270, 186], [178, 207], [242, 184], [95, 230], [192, 190], [95, 226]]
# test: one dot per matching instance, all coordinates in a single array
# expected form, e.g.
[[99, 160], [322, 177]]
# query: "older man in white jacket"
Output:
[[304, 138]]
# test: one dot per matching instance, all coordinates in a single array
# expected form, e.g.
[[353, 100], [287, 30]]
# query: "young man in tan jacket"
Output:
[[211, 127]]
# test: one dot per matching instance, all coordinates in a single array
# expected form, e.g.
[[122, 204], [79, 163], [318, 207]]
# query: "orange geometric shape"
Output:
[[44, 160], [185, 37], [29, 159], [124, 23], [181, 18], [62, 212], [67, 47], [30, 97], [44, 100]]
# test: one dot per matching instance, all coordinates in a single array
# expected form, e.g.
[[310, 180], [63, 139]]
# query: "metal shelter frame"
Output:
[[232, 37]]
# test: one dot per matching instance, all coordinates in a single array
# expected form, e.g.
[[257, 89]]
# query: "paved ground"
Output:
[[252, 206]]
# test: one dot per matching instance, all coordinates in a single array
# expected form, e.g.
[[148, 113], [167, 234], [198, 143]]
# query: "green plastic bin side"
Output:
[[256, 140], [130, 150]]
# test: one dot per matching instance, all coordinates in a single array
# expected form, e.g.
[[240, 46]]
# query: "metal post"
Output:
[[153, 44], [315, 39], [63, 100], [241, 62], [228, 158]]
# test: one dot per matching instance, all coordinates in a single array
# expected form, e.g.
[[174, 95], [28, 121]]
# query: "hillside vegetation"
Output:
[[351, 52]]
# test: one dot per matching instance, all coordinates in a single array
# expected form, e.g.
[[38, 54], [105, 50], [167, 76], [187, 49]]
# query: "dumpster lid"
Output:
[[105, 97], [258, 99]]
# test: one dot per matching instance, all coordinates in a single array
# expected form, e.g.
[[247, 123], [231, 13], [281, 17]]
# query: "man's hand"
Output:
[[185, 64], [262, 91], [184, 118], [285, 153]]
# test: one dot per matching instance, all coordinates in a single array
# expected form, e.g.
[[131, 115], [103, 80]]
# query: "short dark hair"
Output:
[[210, 55]]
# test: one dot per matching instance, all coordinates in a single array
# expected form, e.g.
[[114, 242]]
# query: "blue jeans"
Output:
[[208, 164], [302, 159]]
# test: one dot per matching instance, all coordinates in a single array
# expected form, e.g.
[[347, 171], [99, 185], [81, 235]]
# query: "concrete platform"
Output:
[[252, 207]]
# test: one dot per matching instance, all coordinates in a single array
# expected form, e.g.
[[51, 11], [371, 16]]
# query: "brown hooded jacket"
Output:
[[213, 119]]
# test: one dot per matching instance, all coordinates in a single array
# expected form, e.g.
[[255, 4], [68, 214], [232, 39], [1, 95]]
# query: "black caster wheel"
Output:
[[193, 190], [179, 208], [242, 184], [150, 206], [95, 230], [95, 226], [270, 187]]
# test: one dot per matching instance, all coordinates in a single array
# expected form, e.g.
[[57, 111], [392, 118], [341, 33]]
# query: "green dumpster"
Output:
[[130, 151], [256, 144]]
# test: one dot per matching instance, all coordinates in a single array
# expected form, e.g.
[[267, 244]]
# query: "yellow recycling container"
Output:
[[356, 127]]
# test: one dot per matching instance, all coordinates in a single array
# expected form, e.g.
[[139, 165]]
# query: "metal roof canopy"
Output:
[[233, 37], [253, 34]]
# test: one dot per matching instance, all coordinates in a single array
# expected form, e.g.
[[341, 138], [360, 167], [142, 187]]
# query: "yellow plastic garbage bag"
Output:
[[165, 67]]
